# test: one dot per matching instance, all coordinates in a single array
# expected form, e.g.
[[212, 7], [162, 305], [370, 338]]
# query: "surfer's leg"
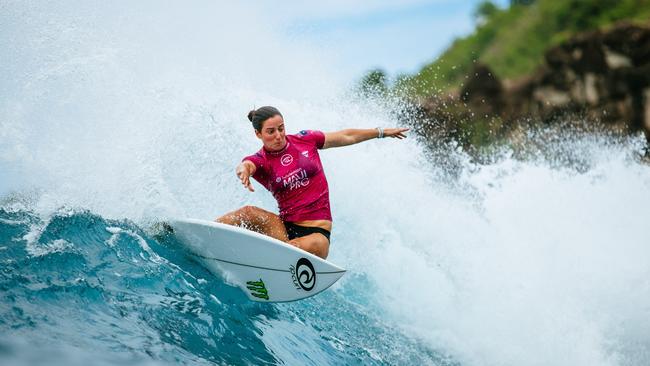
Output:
[[256, 219], [315, 243]]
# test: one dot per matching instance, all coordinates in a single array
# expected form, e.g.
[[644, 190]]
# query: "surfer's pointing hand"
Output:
[[244, 172]]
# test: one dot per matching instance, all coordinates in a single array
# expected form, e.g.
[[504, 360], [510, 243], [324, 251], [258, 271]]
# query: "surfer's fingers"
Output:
[[250, 187], [247, 184], [400, 133], [245, 178], [395, 132]]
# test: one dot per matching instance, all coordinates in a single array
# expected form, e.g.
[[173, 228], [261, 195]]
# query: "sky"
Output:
[[395, 36]]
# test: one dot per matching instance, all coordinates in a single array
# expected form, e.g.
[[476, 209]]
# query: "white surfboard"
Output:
[[266, 269]]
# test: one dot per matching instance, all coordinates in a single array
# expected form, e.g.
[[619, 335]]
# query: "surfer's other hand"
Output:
[[245, 178], [395, 132]]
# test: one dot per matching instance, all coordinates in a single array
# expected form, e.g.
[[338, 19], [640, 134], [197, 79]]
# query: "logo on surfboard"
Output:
[[303, 274], [258, 289]]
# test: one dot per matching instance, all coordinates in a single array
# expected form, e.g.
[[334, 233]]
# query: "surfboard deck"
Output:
[[266, 269]]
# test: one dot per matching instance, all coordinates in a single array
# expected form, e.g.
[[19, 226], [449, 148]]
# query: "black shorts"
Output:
[[297, 231]]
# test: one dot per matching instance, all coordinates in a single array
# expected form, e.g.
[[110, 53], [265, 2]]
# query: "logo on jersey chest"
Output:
[[286, 159]]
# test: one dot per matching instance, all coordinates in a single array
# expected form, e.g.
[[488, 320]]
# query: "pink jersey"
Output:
[[295, 177]]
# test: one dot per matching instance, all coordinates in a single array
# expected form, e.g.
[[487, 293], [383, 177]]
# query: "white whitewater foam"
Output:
[[55, 246]]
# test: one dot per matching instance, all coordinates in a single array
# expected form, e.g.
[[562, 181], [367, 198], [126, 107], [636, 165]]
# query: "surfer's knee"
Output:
[[248, 210], [240, 216], [250, 214], [324, 250], [313, 244]]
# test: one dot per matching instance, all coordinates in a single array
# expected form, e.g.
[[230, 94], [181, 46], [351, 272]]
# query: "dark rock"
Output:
[[588, 54], [630, 40], [557, 57], [483, 91]]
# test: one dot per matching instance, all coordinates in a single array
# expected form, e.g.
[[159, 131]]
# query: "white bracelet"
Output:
[[381, 132]]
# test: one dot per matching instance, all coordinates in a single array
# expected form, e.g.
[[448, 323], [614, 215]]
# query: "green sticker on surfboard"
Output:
[[258, 289]]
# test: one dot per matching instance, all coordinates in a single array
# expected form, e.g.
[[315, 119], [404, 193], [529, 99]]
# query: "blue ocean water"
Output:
[[81, 289]]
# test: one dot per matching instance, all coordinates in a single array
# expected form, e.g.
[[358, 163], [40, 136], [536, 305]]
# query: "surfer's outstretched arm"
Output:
[[355, 136]]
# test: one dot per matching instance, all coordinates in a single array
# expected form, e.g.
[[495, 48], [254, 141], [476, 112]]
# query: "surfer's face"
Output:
[[272, 135]]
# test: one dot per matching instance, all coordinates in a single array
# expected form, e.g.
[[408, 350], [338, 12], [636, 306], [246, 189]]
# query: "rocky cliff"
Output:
[[601, 76]]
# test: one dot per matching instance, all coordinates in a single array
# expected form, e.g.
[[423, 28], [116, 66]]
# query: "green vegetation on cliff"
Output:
[[512, 41]]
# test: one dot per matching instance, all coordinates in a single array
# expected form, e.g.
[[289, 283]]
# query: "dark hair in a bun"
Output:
[[261, 114]]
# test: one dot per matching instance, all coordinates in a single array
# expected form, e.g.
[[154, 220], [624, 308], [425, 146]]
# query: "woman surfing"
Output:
[[290, 168]]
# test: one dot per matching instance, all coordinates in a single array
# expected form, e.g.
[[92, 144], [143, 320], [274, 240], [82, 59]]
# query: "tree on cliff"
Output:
[[521, 2], [484, 11], [373, 83]]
